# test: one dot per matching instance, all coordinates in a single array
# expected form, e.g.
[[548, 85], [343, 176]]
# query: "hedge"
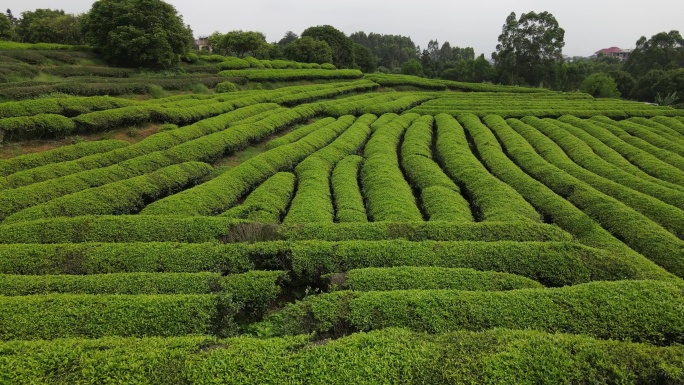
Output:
[[233, 63], [388, 196], [642, 138], [553, 207], [440, 196], [277, 75], [550, 263], [349, 206], [61, 154], [666, 215], [392, 355], [610, 155], [92, 316], [492, 199], [642, 311], [205, 148], [675, 126], [33, 127], [642, 159], [268, 202], [313, 200], [431, 278], [637, 231], [241, 286], [582, 154], [67, 106], [663, 126], [69, 71], [224, 191], [654, 138], [298, 133], [311, 94], [122, 197]]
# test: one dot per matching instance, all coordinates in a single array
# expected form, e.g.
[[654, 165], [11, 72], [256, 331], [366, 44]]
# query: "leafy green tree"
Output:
[[663, 51], [644, 89], [365, 59], [49, 26], [412, 67], [137, 33], [625, 82], [530, 49], [287, 39], [342, 46], [309, 50], [238, 43], [6, 28], [600, 86], [391, 51]]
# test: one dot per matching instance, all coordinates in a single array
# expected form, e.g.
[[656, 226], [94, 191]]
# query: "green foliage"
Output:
[[233, 63], [62, 154], [529, 49], [298, 133], [388, 195], [225, 87], [37, 126], [49, 26], [645, 311], [342, 46], [313, 200], [122, 197], [279, 75], [92, 316], [492, 200], [663, 51], [624, 82], [137, 33], [600, 86], [309, 50], [433, 278], [636, 230], [349, 206], [412, 67], [238, 43], [393, 355], [6, 28], [268, 202], [364, 59], [440, 196]]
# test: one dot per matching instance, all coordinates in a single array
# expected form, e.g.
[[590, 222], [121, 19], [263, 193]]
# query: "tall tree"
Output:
[[364, 58], [137, 33], [49, 26], [309, 50], [287, 39], [238, 43], [663, 51], [530, 49], [342, 46], [6, 28]]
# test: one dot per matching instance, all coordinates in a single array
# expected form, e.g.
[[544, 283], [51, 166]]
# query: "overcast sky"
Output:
[[589, 24]]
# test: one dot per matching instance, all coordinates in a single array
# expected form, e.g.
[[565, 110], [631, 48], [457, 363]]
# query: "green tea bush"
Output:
[[233, 63], [225, 87], [37, 126], [349, 206], [268, 202], [493, 199], [433, 278], [643, 311], [298, 133], [388, 195]]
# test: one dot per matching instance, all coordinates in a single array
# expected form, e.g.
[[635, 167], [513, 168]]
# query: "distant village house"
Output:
[[623, 54]]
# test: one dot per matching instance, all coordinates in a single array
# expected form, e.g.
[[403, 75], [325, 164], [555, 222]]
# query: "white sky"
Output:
[[589, 25]]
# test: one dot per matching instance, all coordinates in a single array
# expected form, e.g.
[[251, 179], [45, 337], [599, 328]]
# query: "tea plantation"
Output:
[[318, 225]]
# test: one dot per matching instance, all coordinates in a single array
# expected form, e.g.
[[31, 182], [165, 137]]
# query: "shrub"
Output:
[[600, 85], [225, 87]]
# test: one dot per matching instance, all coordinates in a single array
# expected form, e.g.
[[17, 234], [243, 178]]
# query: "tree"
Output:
[[342, 46], [365, 59], [600, 86], [412, 67], [287, 39], [625, 82], [663, 51], [49, 26], [309, 50], [529, 49], [6, 28], [238, 43], [137, 33]]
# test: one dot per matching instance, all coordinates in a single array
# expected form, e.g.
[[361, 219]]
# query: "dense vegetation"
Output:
[[249, 219]]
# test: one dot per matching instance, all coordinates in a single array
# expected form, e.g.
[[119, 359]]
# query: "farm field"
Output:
[[321, 225]]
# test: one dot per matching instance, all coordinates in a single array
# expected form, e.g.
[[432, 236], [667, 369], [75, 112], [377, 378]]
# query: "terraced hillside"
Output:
[[345, 229]]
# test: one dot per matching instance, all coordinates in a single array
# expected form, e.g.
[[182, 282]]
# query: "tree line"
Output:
[[150, 33]]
